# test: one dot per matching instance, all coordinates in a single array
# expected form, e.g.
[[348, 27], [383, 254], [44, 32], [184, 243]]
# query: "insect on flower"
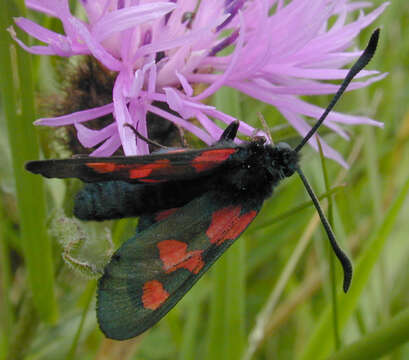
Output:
[[193, 204]]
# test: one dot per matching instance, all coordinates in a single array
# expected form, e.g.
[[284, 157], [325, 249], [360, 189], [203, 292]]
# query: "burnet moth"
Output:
[[192, 204]]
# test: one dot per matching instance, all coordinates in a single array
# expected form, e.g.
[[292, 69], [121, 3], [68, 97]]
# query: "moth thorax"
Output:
[[283, 161]]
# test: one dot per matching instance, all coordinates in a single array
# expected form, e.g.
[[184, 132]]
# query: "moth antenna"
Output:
[[339, 253], [355, 69], [265, 127], [149, 141]]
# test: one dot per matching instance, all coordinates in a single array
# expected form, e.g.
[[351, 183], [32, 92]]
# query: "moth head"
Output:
[[283, 160]]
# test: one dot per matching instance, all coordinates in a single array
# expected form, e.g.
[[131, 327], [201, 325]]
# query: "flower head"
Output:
[[161, 50]]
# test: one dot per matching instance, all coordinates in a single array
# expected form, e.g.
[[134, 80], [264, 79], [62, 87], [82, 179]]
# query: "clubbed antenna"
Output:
[[356, 68]]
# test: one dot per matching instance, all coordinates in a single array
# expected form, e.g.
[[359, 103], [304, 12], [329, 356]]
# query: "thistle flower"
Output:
[[161, 50]]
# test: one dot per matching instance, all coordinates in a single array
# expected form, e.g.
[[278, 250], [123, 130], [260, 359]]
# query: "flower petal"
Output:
[[108, 147], [125, 18], [76, 117], [237, 52], [302, 127], [123, 117], [90, 137], [96, 49], [181, 122]]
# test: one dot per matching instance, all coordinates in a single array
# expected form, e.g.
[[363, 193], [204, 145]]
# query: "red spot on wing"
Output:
[[154, 295], [211, 158], [102, 167], [227, 224], [135, 171], [142, 171], [164, 214], [174, 256]]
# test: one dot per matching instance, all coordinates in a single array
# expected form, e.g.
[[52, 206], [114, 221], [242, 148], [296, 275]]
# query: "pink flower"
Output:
[[161, 50]]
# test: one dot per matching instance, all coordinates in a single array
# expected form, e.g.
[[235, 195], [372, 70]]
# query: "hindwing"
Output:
[[152, 271]]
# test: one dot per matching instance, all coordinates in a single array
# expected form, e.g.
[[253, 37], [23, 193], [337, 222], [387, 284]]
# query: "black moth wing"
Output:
[[152, 271], [148, 169]]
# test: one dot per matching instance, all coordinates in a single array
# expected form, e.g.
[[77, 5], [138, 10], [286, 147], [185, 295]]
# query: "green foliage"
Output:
[[271, 295]]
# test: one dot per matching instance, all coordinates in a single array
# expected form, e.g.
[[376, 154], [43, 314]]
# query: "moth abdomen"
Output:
[[119, 199], [107, 200]]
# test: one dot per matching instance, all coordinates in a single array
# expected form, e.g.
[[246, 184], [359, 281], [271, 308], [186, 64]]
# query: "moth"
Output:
[[192, 204]]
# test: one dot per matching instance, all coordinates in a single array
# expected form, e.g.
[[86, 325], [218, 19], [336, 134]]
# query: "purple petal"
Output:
[[209, 125], [224, 43], [108, 147], [122, 117], [301, 87], [39, 32], [318, 74], [89, 137], [59, 45], [186, 108], [138, 113], [125, 18], [136, 85], [96, 49], [219, 83], [302, 127], [293, 104], [152, 78], [184, 40], [244, 128], [50, 7], [181, 122], [76, 117], [185, 84], [39, 6], [232, 8]]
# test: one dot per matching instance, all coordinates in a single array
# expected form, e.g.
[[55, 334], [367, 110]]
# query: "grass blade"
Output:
[[19, 110], [382, 341]]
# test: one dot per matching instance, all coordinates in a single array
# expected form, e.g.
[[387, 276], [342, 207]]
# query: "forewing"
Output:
[[154, 168], [151, 272]]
